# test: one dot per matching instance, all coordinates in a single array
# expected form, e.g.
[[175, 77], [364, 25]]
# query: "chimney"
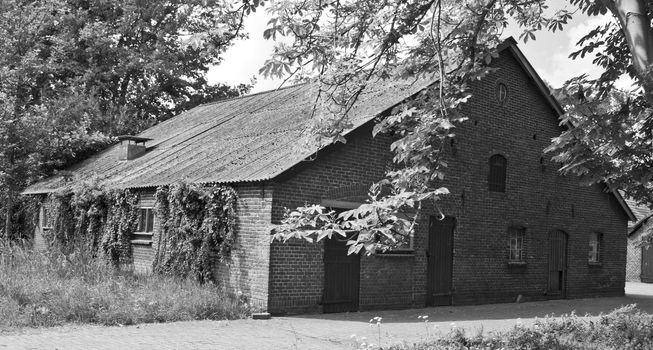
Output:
[[131, 147]]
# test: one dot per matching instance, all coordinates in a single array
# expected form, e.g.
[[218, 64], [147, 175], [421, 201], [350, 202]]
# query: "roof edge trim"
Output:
[[28, 192], [639, 224], [511, 44], [622, 203]]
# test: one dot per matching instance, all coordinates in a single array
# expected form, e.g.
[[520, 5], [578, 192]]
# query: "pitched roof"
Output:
[[250, 138], [244, 139]]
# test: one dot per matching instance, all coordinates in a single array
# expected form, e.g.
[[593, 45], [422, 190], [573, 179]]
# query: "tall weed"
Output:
[[48, 289]]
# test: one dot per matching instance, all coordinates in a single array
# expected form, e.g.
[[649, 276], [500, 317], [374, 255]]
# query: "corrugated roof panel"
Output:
[[250, 138]]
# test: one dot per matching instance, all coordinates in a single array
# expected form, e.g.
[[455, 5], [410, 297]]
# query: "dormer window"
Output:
[[132, 147]]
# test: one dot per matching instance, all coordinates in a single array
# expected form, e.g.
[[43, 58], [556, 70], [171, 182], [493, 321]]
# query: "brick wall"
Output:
[[39, 242], [634, 256], [536, 198], [246, 270], [340, 172], [389, 281]]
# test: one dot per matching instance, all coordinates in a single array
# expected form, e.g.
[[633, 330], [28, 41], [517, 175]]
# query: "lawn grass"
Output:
[[50, 289], [624, 328]]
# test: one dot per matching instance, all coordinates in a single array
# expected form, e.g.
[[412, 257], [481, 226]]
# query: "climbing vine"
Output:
[[121, 222], [197, 225], [89, 217], [197, 228]]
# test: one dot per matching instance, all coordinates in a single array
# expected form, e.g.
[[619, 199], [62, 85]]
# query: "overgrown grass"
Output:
[[49, 289], [624, 328]]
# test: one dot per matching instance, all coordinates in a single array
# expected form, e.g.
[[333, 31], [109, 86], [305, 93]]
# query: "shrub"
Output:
[[48, 289], [623, 328]]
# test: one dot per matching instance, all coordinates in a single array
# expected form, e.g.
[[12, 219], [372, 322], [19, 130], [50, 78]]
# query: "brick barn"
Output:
[[513, 226]]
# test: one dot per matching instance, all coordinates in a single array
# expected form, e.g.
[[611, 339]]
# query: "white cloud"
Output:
[[243, 60]]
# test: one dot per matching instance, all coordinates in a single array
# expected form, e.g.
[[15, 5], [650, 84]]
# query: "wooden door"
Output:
[[440, 261], [647, 265], [341, 277], [557, 263]]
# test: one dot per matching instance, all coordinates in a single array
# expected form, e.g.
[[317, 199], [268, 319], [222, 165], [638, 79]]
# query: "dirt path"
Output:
[[333, 331]]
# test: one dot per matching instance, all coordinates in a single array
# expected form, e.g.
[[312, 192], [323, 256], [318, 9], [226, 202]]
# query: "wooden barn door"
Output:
[[647, 265], [341, 277], [557, 263], [440, 261]]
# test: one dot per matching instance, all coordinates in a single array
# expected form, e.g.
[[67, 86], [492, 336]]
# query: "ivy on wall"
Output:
[[197, 226], [90, 217], [121, 222]]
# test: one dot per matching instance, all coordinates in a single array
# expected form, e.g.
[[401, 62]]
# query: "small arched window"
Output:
[[496, 180], [502, 93]]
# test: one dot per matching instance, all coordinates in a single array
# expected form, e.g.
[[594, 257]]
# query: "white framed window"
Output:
[[594, 254], [516, 252], [145, 220], [145, 228]]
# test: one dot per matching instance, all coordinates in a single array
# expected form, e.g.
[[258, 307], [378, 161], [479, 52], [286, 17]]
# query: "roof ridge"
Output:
[[249, 95]]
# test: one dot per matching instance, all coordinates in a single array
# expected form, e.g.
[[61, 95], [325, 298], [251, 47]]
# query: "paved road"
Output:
[[315, 331]]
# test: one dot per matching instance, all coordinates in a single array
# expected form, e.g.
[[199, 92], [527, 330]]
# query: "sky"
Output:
[[549, 53]]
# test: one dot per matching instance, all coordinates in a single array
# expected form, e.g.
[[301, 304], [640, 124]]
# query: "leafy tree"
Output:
[[346, 45], [612, 135], [74, 73]]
